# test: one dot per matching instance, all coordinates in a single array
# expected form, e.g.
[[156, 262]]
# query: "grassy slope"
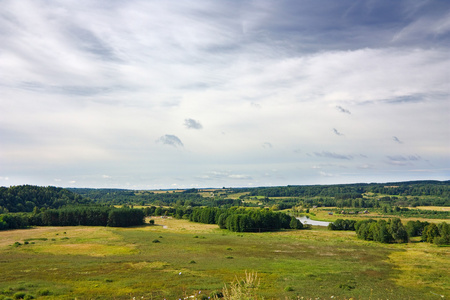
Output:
[[123, 263]]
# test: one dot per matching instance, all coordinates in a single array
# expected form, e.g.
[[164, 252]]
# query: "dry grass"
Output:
[[422, 265], [438, 208], [176, 225], [242, 289]]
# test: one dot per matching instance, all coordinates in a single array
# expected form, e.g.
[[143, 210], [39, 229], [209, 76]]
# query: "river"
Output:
[[307, 220]]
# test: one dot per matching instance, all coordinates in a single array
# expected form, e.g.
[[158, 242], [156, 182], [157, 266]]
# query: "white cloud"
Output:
[[91, 88]]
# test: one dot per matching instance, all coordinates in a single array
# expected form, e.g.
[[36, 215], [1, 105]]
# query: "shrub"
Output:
[[44, 292], [289, 289], [156, 241], [19, 295]]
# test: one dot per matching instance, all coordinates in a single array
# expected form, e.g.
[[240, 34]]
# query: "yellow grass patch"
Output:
[[96, 250], [177, 225], [154, 265], [74, 240], [422, 265], [438, 208]]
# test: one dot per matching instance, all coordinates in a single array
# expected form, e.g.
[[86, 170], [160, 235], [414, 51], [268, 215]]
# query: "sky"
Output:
[[206, 93]]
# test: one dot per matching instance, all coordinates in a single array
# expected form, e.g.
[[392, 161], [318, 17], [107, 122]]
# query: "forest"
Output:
[[235, 209]]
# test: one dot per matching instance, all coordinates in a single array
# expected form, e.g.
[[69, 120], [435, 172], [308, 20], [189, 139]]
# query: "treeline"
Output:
[[382, 231], [408, 188], [191, 197], [351, 195], [75, 216], [342, 224], [26, 198], [245, 220], [393, 230]]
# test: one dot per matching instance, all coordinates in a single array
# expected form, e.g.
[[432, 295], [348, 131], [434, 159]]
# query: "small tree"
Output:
[[295, 223]]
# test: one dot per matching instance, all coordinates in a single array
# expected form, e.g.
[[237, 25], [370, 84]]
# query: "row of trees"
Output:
[[74, 216], [350, 195], [345, 191], [342, 224], [394, 231], [244, 219], [382, 231]]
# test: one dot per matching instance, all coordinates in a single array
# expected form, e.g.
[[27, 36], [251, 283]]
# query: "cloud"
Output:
[[267, 145], [224, 175], [400, 160], [396, 139], [256, 105], [343, 110], [332, 155], [192, 124], [337, 132], [170, 140], [325, 174], [85, 87]]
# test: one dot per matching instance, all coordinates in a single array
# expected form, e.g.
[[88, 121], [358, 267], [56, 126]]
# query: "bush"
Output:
[[44, 292], [156, 241], [19, 295]]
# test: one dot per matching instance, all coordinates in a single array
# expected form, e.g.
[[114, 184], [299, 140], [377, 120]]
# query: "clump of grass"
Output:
[[192, 262], [19, 295], [230, 249], [156, 241], [242, 289], [44, 292], [35, 239], [229, 257], [17, 244], [289, 289]]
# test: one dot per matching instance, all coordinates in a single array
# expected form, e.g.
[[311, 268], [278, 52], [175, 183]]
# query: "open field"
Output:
[[122, 263]]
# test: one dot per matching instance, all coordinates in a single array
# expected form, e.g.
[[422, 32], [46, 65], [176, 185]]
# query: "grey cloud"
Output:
[[343, 110], [192, 124], [406, 99], [170, 140], [267, 145], [255, 105], [88, 41], [401, 160], [215, 175], [396, 139], [332, 155], [337, 132]]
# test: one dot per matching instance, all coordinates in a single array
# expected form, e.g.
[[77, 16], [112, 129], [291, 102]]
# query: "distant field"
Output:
[[438, 208], [122, 263]]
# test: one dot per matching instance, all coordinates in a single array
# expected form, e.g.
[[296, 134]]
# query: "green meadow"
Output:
[[176, 258]]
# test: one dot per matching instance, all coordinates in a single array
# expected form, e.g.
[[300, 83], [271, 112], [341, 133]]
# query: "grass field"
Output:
[[122, 263]]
